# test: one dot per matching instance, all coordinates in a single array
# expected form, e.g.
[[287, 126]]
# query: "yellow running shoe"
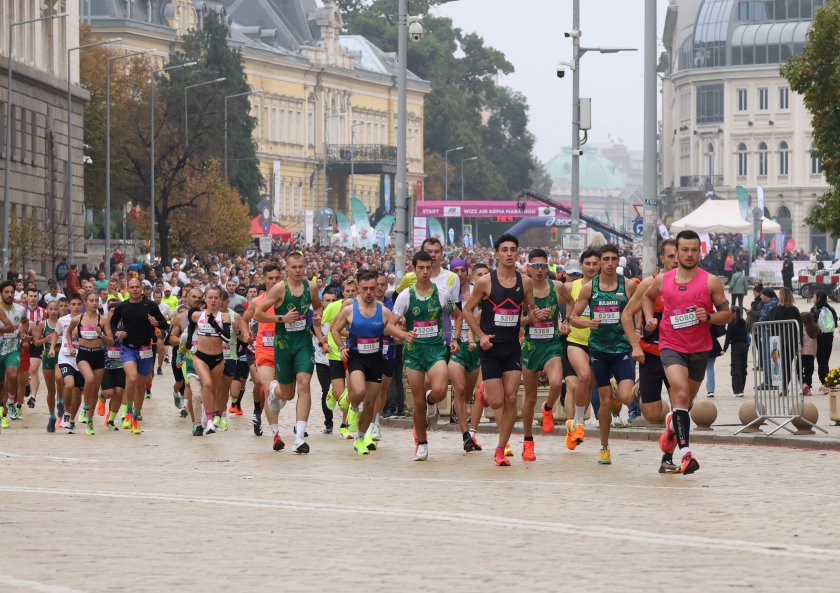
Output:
[[223, 424], [89, 430], [135, 427], [353, 420], [508, 450], [604, 456], [360, 447], [343, 402], [331, 400], [127, 420], [369, 442]]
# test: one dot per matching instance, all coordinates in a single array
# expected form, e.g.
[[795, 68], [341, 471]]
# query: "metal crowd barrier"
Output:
[[777, 374]]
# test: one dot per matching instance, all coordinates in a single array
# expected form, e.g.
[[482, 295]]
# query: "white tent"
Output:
[[720, 216]]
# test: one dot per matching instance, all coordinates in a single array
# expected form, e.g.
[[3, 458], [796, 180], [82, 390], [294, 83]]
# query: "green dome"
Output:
[[597, 172]]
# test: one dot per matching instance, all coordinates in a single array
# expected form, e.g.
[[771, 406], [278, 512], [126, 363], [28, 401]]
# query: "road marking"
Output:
[[35, 585], [593, 531], [53, 457]]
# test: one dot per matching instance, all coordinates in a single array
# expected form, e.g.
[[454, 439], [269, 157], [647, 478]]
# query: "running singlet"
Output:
[[331, 311], [680, 329], [294, 333], [500, 311], [650, 340], [365, 333], [424, 316], [265, 331], [607, 306], [579, 335], [547, 330], [10, 342]]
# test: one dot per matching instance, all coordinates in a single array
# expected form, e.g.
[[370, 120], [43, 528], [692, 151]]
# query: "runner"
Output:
[[367, 321], [13, 321], [542, 350], [645, 344], [501, 295], [293, 353], [179, 325], [139, 316], [42, 336], [72, 379], [337, 367], [422, 307], [322, 364], [113, 382], [90, 357], [609, 351], [689, 295], [35, 314], [389, 357], [239, 336], [244, 361]]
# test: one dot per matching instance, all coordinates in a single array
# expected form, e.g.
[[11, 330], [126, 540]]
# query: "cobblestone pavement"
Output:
[[166, 511]]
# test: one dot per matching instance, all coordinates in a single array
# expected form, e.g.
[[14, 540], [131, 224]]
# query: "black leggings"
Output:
[[824, 343], [211, 360], [323, 372]]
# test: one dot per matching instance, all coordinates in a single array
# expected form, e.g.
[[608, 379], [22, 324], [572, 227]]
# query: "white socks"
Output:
[[300, 430]]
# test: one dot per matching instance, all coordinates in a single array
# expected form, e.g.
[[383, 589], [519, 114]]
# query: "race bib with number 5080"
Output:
[[684, 320]]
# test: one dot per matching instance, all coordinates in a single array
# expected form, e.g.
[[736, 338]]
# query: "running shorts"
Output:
[[536, 356], [568, 369], [95, 357], [651, 378], [619, 366], [422, 357], [369, 364], [7, 361], [48, 363], [67, 370], [36, 351], [113, 378], [288, 362], [695, 363], [503, 357], [466, 358], [143, 358], [388, 367], [264, 357], [338, 370], [176, 371]]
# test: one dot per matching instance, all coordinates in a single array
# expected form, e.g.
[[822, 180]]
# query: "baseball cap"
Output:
[[167, 286], [572, 269]]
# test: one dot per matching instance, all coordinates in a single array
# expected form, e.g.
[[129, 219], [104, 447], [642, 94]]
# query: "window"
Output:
[[763, 99], [742, 160], [710, 159], [784, 98], [816, 163], [762, 159], [743, 103], [710, 103], [784, 154]]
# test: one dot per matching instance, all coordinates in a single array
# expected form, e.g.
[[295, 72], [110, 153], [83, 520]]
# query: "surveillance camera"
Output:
[[571, 34], [562, 67], [577, 153], [415, 30]]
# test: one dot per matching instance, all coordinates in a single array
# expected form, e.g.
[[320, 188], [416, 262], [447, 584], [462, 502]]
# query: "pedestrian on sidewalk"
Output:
[[738, 286], [809, 350], [825, 340], [787, 310], [738, 338]]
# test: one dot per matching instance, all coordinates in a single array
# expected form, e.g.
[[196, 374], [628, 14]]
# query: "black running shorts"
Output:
[[502, 358]]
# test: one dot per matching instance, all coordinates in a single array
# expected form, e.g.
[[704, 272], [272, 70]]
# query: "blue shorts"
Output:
[[143, 358], [607, 365]]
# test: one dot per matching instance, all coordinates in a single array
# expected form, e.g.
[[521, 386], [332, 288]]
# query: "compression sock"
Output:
[[682, 422]]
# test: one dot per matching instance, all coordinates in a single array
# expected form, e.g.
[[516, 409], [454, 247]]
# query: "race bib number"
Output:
[[465, 334], [542, 330], [426, 329], [296, 326], [608, 314], [225, 350], [114, 353], [506, 317], [684, 320], [89, 334], [206, 329], [268, 339], [367, 345], [145, 352]]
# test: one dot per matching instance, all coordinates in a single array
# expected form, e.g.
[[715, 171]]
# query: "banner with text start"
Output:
[[486, 209]]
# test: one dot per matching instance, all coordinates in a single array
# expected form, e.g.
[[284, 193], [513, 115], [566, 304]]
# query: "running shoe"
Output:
[[135, 427], [82, 417], [604, 456], [689, 465], [13, 412], [344, 433], [353, 420], [330, 401], [71, 428], [238, 411], [100, 407], [183, 413], [198, 430], [571, 441], [89, 430], [65, 419], [111, 425], [617, 422], [51, 425], [232, 409], [301, 448], [475, 440], [548, 420], [369, 442], [4, 421], [176, 397], [327, 430], [667, 467], [278, 443], [528, 453], [31, 402], [160, 371], [360, 447], [432, 411], [668, 438], [470, 444], [60, 409], [421, 452], [508, 450], [127, 420], [500, 459], [209, 427], [148, 396], [343, 402], [256, 420], [217, 420], [223, 424], [166, 359], [376, 433]]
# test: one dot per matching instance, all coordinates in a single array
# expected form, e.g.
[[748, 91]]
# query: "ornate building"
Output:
[[326, 97], [728, 116]]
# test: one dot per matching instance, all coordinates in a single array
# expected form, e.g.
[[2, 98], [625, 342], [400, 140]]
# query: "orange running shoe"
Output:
[[571, 442], [508, 450], [528, 451], [238, 411], [668, 438], [499, 458], [232, 409], [548, 420], [100, 408]]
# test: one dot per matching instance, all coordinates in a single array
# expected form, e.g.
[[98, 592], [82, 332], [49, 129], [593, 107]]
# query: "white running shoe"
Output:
[[376, 432], [421, 453], [273, 401]]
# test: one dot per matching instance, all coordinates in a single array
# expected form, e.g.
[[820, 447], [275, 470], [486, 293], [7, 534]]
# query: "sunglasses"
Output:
[[539, 266]]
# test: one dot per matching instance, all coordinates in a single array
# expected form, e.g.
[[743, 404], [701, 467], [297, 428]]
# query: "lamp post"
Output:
[[446, 190], [7, 173], [152, 153], [649, 179], [187, 111], [68, 186], [353, 158], [254, 92], [472, 158], [108, 151], [401, 234]]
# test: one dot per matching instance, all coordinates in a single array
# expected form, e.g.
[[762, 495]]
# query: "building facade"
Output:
[[729, 118], [326, 98], [38, 154]]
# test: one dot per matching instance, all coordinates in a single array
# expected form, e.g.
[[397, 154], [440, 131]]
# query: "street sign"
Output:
[[574, 241], [638, 226], [637, 247], [265, 243]]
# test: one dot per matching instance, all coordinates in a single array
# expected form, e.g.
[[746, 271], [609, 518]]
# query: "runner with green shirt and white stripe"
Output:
[[13, 321]]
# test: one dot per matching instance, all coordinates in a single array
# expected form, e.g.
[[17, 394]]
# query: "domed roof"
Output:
[[597, 172]]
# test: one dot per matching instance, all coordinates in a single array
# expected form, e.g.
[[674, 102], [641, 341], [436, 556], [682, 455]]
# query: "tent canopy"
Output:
[[720, 216], [275, 231]]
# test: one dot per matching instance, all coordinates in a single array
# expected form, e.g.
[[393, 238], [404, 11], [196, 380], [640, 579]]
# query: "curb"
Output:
[[817, 443]]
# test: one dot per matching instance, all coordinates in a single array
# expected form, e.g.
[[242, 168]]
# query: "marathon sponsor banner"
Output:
[[383, 230], [363, 231], [484, 209], [419, 231], [386, 189], [436, 229], [345, 233]]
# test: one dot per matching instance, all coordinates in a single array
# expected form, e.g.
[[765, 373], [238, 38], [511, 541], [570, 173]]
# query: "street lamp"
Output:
[[108, 150], [68, 188], [353, 157], [152, 153], [446, 190], [7, 173], [186, 108], [577, 54], [254, 92], [472, 158]]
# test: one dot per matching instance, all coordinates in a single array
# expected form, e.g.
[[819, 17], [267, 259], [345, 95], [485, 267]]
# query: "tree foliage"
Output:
[[815, 74], [466, 107]]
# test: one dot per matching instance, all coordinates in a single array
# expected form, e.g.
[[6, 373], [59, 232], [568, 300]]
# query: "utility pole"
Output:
[[650, 189], [401, 234]]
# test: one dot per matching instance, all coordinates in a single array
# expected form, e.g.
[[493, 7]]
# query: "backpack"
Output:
[[826, 321]]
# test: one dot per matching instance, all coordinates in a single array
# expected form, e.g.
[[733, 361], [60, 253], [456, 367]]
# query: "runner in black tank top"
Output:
[[502, 296]]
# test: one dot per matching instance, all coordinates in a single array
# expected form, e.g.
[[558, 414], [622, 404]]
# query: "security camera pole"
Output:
[[402, 105], [650, 157]]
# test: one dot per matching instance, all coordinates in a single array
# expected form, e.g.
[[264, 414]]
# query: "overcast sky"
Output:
[[530, 33]]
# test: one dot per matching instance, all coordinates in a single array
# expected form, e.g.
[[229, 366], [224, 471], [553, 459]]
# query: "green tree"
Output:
[[815, 74]]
